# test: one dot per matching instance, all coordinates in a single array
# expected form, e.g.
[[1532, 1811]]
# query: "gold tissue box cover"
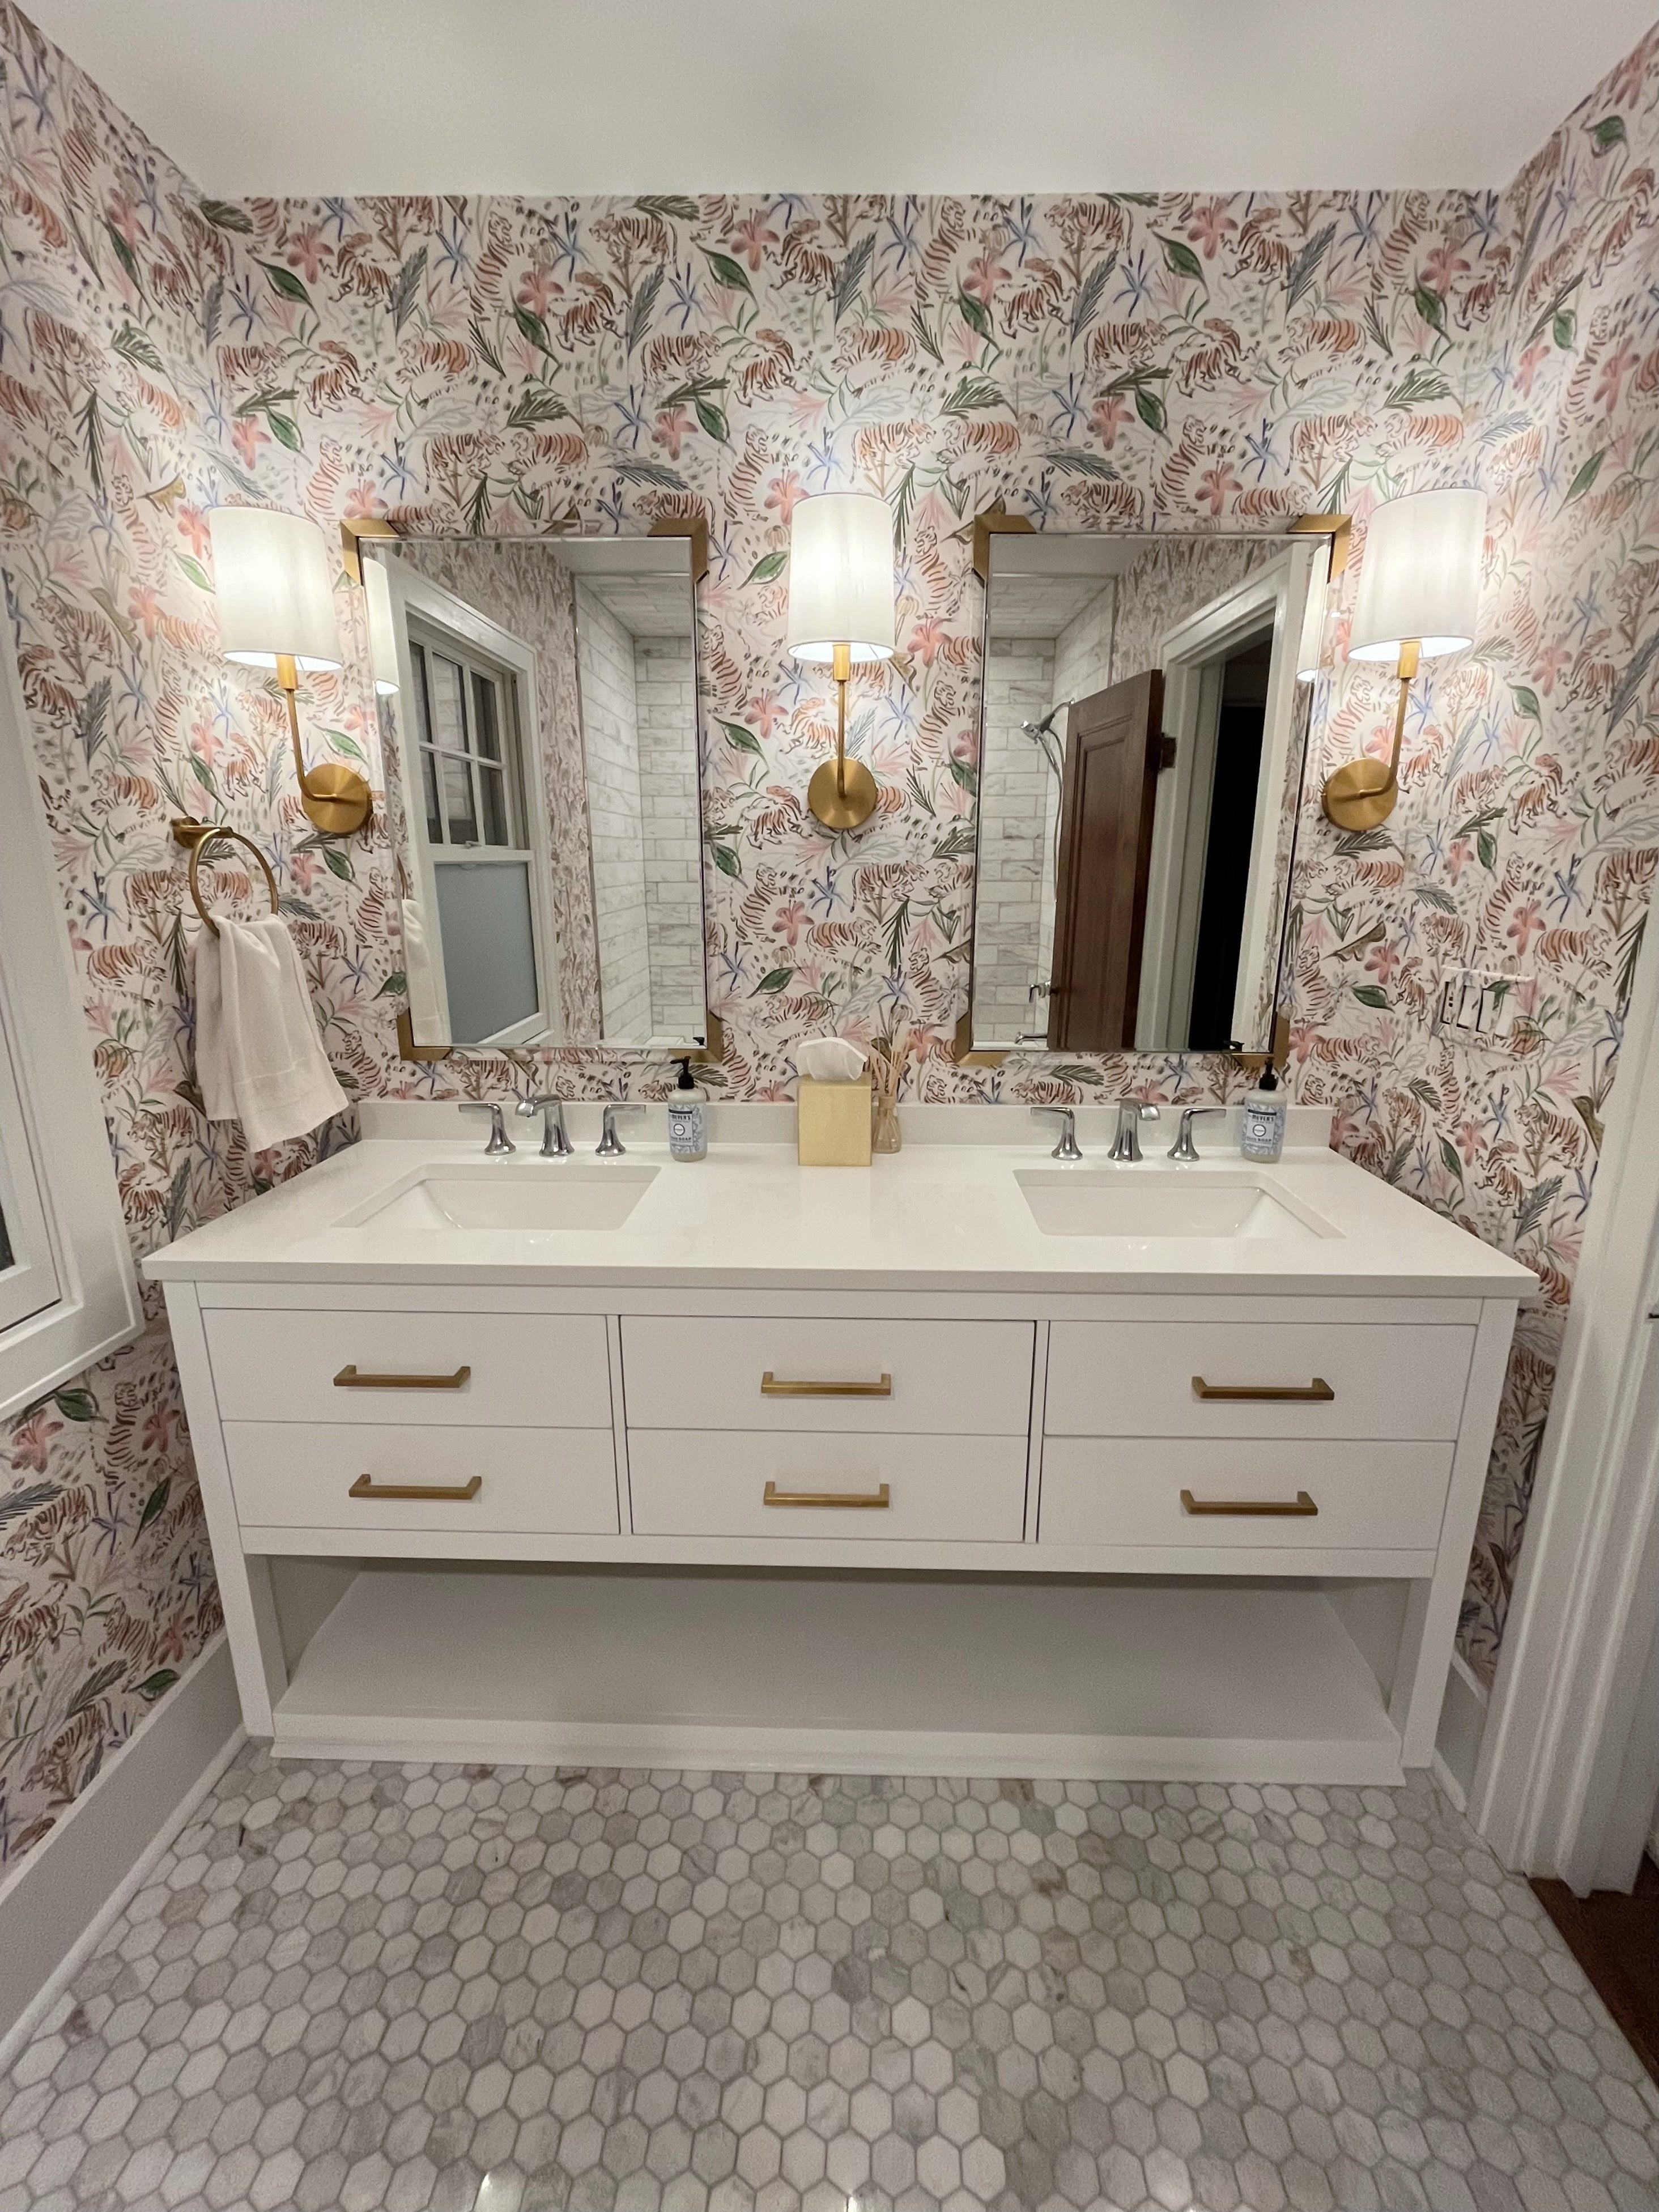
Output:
[[832, 1123]]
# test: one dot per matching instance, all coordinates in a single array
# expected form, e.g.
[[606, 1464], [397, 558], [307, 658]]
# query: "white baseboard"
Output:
[[57, 1903], [1462, 1725]]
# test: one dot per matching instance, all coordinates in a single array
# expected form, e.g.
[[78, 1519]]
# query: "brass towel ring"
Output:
[[198, 837]]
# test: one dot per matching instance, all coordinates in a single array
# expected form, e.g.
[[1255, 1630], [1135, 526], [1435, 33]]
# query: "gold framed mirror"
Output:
[[1145, 706]]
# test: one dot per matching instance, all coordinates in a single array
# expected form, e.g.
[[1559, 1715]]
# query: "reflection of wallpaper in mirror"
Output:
[[520, 587]]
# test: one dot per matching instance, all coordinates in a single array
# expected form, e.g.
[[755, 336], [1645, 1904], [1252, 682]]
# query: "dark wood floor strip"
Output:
[[1615, 1939]]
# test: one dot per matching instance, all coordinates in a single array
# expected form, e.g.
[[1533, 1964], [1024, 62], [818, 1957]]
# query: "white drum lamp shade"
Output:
[[382, 631], [840, 577], [1420, 577], [275, 588]]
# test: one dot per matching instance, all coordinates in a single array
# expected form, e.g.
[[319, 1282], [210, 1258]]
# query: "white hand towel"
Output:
[[258, 1058]]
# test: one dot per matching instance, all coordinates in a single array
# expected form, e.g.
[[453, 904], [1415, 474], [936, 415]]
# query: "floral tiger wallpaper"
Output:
[[499, 367]]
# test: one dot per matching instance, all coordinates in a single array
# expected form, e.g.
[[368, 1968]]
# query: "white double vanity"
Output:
[[970, 1463]]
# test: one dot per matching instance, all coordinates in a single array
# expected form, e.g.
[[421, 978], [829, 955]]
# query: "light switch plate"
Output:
[[1481, 1006]]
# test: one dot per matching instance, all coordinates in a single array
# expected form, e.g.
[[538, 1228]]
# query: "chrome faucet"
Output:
[[500, 1143], [1183, 1147], [610, 1145], [1125, 1144], [555, 1142], [1067, 1148]]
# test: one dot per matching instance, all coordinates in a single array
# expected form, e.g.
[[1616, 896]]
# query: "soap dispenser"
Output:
[[688, 1135], [1262, 1136]]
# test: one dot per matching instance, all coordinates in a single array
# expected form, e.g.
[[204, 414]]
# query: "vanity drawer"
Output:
[[299, 1474], [939, 1489], [524, 1371], [1144, 1378], [1369, 1497], [916, 1378]]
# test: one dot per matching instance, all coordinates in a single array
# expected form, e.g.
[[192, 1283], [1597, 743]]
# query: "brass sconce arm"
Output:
[[1364, 793], [842, 792], [334, 797]]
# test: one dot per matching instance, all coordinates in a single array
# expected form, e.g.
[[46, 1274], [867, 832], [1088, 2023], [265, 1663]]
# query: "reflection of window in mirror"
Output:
[[476, 840], [1140, 762], [543, 745]]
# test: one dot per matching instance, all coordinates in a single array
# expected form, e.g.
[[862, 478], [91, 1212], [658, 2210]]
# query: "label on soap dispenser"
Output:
[[1261, 1137], [686, 1139]]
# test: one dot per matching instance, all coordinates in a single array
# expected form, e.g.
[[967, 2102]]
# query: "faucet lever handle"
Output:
[[1067, 1148], [610, 1145], [500, 1143], [1183, 1147]]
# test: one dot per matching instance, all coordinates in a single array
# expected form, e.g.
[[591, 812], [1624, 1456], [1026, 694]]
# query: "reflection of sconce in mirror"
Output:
[[382, 630], [275, 601], [841, 609], [1419, 592]]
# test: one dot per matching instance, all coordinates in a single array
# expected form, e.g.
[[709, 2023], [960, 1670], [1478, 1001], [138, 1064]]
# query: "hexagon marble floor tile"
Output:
[[400, 1989]]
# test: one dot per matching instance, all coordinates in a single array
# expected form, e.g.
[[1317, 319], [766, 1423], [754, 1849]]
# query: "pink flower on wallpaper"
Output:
[[784, 495], [752, 239], [1383, 961], [984, 274], [673, 427], [305, 252], [1108, 415], [1523, 925], [27, 1447], [1210, 224]]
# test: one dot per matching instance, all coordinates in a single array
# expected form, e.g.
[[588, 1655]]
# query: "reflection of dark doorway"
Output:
[[1241, 719], [1106, 807]]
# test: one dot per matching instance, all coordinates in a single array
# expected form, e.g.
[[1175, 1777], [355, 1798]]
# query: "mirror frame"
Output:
[[353, 531], [995, 521]]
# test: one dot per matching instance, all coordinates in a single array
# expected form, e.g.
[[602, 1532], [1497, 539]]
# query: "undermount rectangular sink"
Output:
[[1150, 1202], [568, 1195]]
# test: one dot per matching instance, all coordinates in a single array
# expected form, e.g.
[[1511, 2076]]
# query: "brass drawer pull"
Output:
[[366, 1486], [773, 1386], [1316, 1393], [1302, 1508], [349, 1379], [878, 1499]]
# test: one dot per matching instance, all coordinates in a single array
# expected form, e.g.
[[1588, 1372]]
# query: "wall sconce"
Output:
[[841, 609], [275, 598], [1420, 593]]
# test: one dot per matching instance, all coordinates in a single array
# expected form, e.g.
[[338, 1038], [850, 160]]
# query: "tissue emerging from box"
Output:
[[830, 1060]]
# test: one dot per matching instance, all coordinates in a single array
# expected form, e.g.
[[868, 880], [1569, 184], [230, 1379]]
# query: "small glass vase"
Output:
[[884, 1133]]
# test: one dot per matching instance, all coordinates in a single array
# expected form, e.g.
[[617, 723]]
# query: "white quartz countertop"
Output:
[[946, 1215]]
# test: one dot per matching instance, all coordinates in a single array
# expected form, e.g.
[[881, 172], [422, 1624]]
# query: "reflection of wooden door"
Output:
[[1105, 854]]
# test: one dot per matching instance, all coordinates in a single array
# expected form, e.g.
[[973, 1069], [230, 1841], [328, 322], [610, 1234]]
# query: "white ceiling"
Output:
[[543, 97]]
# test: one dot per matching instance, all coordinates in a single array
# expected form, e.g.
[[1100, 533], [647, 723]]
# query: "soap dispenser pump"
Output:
[[688, 1135]]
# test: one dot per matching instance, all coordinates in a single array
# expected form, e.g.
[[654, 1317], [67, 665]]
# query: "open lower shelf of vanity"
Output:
[[882, 1674]]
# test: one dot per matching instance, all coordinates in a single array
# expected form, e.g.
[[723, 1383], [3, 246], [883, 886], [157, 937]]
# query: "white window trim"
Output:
[[59, 1113]]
